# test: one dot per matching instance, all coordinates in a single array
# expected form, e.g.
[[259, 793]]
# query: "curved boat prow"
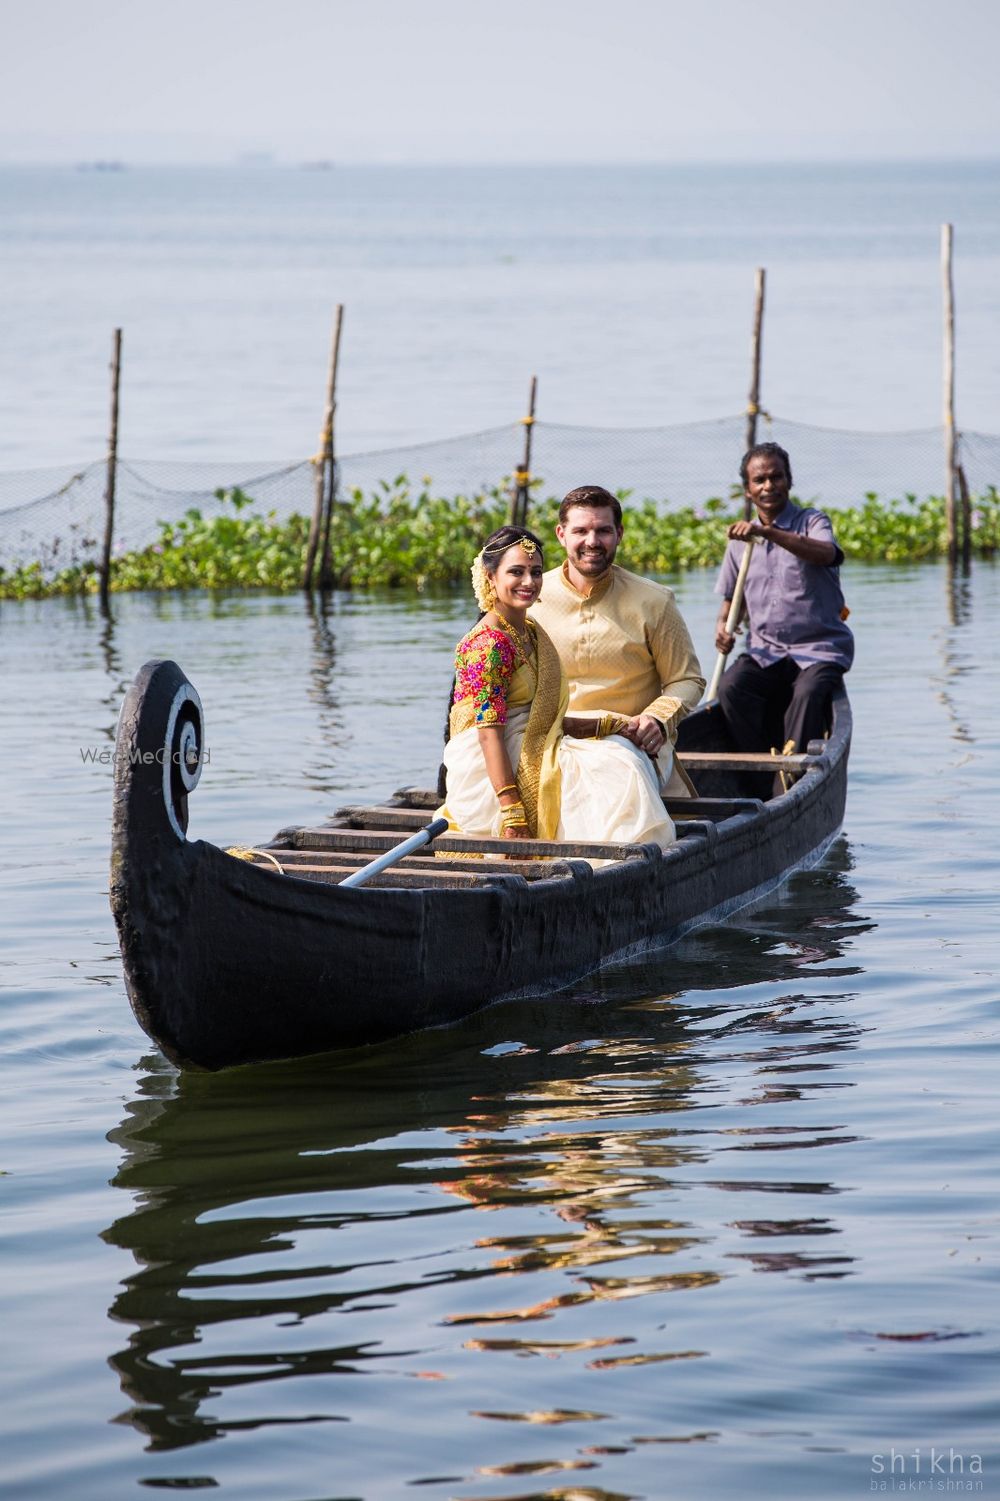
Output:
[[158, 759], [158, 754]]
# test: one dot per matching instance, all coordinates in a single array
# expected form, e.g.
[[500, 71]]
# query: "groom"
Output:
[[622, 642]]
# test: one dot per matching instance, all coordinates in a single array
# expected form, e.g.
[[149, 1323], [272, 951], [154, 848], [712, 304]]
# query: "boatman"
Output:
[[622, 642], [777, 693]]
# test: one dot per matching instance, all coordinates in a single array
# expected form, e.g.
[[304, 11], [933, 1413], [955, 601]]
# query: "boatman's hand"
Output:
[[740, 530], [645, 732], [724, 640]]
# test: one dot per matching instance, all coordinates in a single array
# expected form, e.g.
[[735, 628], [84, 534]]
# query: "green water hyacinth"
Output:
[[405, 537]]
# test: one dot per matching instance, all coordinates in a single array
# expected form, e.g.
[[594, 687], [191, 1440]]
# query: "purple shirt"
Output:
[[794, 607]]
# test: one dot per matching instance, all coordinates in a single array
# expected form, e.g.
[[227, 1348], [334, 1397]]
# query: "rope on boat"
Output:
[[240, 853]]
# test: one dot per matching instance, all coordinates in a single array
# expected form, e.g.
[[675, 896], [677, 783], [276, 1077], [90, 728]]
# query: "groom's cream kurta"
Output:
[[625, 649]]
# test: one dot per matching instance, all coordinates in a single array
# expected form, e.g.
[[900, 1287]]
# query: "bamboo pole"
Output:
[[948, 289], [732, 619], [522, 476], [109, 491], [753, 399], [320, 526]]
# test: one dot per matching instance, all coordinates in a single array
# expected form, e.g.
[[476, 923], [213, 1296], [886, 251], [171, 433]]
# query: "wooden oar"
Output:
[[732, 619], [415, 842]]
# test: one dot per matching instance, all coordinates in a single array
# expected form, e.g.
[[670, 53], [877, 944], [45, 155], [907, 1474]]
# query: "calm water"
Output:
[[720, 1224], [628, 291]]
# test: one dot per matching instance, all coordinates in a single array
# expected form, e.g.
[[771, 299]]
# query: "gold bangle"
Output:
[[609, 724], [510, 787], [513, 817]]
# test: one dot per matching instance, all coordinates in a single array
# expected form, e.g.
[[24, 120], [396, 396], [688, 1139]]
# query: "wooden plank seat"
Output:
[[398, 876], [417, 797], [745, 761], [416, 802], [715, 808], [357, 833], [428, 799], [409, 820], [376, 841], [381, 816], [294, 860]]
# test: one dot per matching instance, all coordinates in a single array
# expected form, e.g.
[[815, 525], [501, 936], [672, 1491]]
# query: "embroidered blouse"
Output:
[[485, 661]]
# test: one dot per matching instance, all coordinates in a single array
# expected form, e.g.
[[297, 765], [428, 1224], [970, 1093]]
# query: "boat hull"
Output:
[[227, 962]]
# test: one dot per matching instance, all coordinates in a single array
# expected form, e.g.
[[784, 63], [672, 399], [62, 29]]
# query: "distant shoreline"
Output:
[[76, 162]]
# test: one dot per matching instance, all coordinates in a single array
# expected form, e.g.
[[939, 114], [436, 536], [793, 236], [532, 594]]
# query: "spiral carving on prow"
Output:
[[183, 750]]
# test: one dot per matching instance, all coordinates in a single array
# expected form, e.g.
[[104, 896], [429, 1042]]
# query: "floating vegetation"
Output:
[[405, 537]]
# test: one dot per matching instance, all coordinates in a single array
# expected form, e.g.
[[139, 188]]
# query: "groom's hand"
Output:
[[645, 732]]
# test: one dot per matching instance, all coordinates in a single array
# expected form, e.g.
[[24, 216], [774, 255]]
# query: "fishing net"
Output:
[[55, 517]]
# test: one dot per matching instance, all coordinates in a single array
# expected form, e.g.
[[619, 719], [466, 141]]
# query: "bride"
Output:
[[516, 766]]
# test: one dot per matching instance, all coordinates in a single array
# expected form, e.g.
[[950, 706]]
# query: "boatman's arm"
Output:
[[817, 547]]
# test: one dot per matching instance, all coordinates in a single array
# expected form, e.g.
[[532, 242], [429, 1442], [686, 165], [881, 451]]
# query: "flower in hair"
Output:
[[482, 584]]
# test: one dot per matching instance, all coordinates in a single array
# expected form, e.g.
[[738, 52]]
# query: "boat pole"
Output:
[[323, 462], [325, 560], [950, 437], [522, 476], [732, 619], [109, 489], [408, 847], [753, 399]]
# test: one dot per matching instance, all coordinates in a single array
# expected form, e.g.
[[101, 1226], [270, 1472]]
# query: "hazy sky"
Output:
[[468, 80]]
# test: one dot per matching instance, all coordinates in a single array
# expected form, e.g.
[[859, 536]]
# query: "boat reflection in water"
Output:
[[523, 1183]]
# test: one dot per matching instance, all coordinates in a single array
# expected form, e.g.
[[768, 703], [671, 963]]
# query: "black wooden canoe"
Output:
[[233, 959]]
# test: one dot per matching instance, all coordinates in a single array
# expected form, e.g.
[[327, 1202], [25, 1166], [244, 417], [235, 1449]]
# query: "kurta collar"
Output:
[[600, 588]]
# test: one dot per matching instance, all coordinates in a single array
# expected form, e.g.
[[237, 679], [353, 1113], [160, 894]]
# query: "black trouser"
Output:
[[765, 707]]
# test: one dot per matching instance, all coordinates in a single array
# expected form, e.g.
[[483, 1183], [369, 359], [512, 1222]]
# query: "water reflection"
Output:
[[323, 663], [954, 656], [958, 594], [322, 691], [101, 624], [513, 1187]]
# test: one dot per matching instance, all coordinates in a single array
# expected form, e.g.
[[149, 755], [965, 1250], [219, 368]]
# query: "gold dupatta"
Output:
[[537, 772]]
